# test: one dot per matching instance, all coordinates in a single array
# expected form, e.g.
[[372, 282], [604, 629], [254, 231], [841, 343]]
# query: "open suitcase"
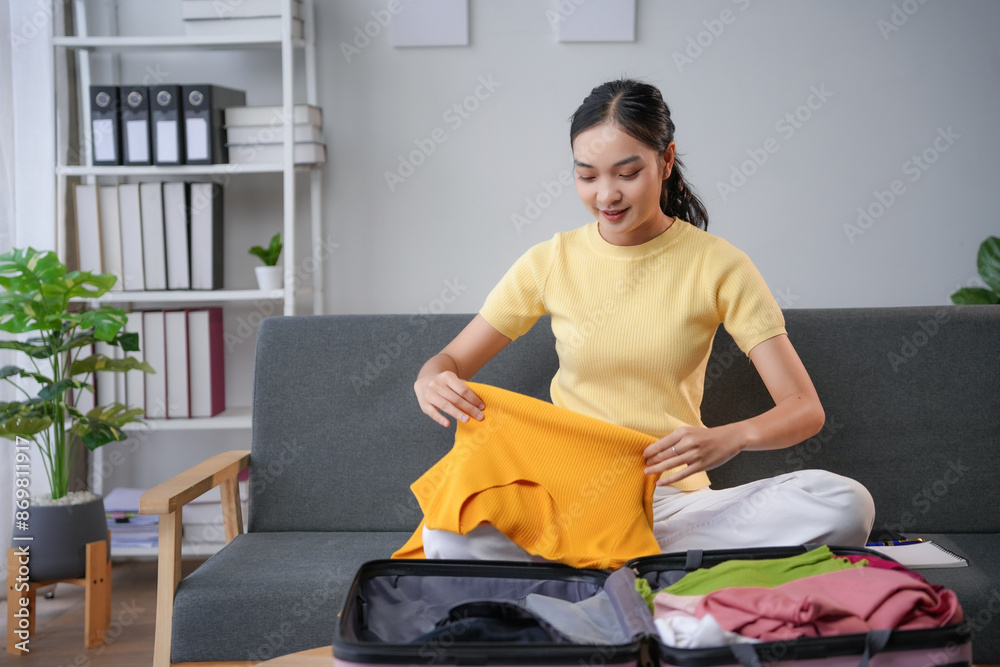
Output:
[[418, 612]]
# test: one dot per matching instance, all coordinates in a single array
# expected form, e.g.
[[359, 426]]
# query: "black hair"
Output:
[[638, 109]]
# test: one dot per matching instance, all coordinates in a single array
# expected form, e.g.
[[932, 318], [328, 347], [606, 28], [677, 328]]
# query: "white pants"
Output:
[[787, 510]]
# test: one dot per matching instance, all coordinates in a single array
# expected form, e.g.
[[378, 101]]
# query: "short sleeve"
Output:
[[744, 303], [518, 300]]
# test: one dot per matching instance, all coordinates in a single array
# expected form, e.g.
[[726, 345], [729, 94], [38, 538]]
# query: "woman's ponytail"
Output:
[[677, 200]]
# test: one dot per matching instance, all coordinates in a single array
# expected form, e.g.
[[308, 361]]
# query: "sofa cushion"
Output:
[[976, 586], [267, 594]]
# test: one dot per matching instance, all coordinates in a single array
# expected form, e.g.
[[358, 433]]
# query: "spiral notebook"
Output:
[[922, 555]]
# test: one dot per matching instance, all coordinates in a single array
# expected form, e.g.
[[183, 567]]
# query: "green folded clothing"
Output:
[[766, 573]]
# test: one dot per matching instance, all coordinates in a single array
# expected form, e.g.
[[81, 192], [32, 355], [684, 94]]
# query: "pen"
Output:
[[894, 543]]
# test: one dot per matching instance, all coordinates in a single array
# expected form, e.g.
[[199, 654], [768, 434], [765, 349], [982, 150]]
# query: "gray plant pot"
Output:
[[60, 535]]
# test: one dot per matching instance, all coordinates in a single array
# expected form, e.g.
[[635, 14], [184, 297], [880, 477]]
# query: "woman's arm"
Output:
[[797, 415], [440, 384]]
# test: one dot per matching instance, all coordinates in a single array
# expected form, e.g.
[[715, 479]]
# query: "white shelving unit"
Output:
[[84, 45]]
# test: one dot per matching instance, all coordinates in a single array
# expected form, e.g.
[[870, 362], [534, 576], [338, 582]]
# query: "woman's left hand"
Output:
[[700, 448]]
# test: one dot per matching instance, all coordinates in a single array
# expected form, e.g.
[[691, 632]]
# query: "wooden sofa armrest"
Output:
[[167, 499]]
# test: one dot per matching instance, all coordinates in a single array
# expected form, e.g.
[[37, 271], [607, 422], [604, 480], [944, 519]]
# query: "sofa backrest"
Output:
[[912, 398], [338, 436]]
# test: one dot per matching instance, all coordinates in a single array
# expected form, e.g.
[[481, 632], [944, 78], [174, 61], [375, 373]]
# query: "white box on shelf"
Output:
[[304, 153], [272, 116], [268, 134]]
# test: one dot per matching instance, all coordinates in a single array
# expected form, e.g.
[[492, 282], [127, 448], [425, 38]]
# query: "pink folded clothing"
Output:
[[884, 564], [845, 602]]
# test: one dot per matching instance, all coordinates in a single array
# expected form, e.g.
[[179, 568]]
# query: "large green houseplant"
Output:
[[35, 299]]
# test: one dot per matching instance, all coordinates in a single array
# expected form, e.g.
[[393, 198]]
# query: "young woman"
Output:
[[635, 298]]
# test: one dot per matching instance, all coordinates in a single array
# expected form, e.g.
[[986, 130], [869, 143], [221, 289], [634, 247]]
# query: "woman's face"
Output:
[[619, 179]]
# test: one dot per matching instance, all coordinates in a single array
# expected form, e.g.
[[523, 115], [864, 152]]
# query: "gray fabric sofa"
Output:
[[912, 398]]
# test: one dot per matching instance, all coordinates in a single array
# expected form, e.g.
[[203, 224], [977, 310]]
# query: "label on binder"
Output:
[[197, 138], [138, 141], [103, 130]]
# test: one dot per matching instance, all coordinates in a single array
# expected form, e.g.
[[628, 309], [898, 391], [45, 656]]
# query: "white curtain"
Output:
[[7, 241], [29, 75]]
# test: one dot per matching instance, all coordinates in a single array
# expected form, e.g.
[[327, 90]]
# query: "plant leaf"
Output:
[[104, 424], [7, 371], [974, 295], [100, 362], [24, 426], [35, 351], [988, 262], [128, 342], [52, 392]]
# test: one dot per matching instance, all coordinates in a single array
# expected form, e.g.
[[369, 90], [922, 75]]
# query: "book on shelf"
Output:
[[135, 380], [105, 125], [267, 134], [105, 380], [176, 368], [151, 234], [177, 229], [154, 251], [236, 9], [130, 217], [136, 134], [206, 354], [153, 335], [272, 116], [186, 348], [111, 234], [266, 27], [204, 130], [302, 153], [88, 232], [206, 236], [168, 128]]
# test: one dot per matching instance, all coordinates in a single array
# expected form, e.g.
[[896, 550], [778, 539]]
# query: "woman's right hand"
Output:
[[446, 392]]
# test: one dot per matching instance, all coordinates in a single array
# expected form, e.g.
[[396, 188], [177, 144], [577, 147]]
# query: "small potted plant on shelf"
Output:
[[988, 263], [269, 276], [35, 299]]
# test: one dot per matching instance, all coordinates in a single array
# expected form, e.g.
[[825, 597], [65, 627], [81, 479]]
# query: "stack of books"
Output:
[[186, 348], [202, 517], [256, 134], [128, 528], [152, 236], [247, 18]]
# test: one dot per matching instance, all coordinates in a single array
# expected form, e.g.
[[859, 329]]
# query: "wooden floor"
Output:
[[58, 639]]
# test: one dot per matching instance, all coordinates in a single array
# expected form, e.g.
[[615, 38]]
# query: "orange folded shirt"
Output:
[[561, 485]]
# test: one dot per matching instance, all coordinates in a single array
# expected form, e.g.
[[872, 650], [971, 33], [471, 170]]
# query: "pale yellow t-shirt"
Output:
[[634, 324]]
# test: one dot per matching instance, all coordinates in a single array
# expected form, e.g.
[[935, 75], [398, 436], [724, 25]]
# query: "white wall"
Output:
[[890, 94]]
